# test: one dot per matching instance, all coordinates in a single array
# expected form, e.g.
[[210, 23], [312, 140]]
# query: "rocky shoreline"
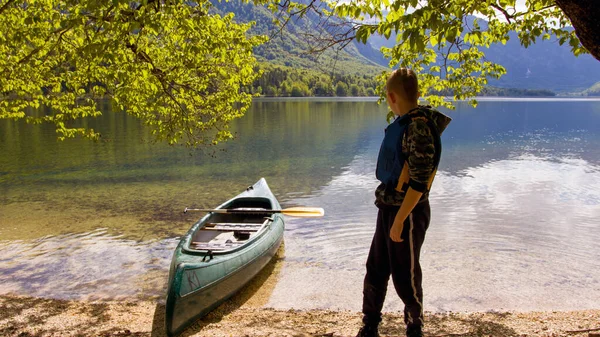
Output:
[[29, 316]]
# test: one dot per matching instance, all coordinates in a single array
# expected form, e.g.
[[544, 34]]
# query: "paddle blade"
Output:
[[304, 211]]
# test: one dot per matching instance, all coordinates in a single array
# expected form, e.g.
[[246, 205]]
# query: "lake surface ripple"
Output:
[[515, 205]]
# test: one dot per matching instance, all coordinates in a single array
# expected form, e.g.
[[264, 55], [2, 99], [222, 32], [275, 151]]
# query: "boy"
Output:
[[406, 165]]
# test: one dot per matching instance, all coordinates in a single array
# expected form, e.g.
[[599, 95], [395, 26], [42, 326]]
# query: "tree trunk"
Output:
[[585, 17]]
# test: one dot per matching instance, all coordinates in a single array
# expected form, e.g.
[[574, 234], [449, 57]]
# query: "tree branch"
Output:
[[6, 5], [56, 44], [503, 11], [514, 16], [158, 73], [301, 12], [343, 38]]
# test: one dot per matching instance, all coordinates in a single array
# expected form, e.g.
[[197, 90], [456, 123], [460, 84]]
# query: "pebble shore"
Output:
[[239, 317]]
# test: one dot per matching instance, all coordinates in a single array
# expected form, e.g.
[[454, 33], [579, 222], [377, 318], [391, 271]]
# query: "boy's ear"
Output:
[[391, 97]]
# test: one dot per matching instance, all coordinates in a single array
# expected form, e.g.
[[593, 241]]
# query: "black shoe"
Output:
[[368, 331], [414, 331]]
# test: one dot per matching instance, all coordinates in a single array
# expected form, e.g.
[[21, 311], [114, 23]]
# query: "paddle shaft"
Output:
[[293, 211]]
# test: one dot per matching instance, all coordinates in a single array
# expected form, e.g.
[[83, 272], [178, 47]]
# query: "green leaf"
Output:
[[433, 39]]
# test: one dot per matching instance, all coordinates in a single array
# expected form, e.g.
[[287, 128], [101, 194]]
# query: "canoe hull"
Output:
[[199, 281]]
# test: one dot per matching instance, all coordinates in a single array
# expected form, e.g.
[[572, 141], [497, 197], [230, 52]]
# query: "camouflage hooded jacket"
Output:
[[418, 146]]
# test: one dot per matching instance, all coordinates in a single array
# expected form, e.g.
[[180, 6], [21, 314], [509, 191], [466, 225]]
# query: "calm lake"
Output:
[[515, 206]]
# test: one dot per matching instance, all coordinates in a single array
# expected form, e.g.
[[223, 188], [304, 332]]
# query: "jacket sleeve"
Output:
[[420, 146]]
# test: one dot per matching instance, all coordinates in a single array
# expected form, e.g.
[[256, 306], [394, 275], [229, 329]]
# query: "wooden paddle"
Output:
[[292, 211]]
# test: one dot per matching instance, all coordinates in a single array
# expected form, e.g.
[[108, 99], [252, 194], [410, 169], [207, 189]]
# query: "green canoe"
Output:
[[220, 254]]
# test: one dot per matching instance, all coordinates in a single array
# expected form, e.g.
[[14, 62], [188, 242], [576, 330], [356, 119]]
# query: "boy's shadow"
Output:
[[270, 271]]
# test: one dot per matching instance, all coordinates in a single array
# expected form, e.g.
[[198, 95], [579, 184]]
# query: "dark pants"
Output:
[[399, 259]]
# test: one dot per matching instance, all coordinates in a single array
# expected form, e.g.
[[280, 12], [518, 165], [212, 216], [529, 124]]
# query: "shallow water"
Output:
[[514, 206]]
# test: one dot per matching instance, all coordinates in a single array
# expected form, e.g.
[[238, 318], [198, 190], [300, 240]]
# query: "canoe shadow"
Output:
[[258, 290]]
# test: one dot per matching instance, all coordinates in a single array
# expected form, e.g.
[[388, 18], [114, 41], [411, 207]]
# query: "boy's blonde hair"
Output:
[[404, 82]]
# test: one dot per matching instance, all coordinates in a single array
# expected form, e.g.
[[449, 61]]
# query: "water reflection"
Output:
[[514, 205], [498, 130], [93, 265], [138, 189], [515, 234]]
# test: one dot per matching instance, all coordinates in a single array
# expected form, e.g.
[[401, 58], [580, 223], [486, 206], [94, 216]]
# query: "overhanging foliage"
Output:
[[172, 64], [443, 40]]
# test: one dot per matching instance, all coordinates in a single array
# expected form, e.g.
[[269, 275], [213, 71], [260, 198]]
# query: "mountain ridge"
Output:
[[545, 65]]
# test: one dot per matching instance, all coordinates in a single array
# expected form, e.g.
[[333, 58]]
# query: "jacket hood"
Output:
[[440, 120]]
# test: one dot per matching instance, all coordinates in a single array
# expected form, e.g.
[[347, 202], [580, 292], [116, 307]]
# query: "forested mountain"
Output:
[[542, 68], [291, 69], [292, 46]]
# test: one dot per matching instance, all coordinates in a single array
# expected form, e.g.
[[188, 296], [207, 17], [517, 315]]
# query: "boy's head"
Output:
[[402, 90]]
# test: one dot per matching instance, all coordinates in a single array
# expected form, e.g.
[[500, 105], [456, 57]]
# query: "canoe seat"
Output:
[[221, 236], [224, 240], [215, 246], [220, 240], [229, 226]]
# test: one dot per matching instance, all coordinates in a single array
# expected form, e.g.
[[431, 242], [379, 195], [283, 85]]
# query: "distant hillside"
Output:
[[594, 90], [543, 66], [515, 92], [291, 47]]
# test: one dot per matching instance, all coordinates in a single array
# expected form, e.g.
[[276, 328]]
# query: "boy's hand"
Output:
[[396, 231], [410, 200]]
